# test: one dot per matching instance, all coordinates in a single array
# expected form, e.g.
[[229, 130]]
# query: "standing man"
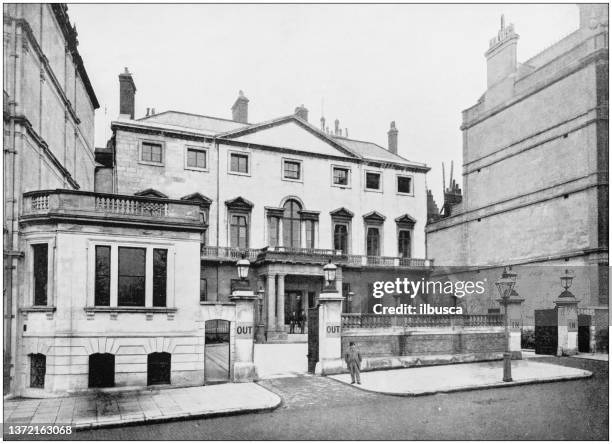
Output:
[[353, 361], [292, 321], [302, 321]]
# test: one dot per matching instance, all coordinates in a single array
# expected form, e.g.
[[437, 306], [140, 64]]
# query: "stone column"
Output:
[[280, 289], [567, 324], [244, 366], [271, 302], [330, 327]]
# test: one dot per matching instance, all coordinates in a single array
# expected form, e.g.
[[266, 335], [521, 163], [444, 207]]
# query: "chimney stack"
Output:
[[127, 94], [240, 109], [392, 133], [302, 113], [501, 55], [337, 131]]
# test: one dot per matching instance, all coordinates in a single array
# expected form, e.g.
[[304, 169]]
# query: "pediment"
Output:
[[342, 213], [151, 192], [374, 217], [199, 198], [406, 220], [291, 133], [239, 203]]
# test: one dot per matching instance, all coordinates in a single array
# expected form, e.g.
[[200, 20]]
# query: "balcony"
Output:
[[309, 256], [116, 209]]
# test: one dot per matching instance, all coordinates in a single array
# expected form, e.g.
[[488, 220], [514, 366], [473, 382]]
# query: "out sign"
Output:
[[244, 330], [332, 330]]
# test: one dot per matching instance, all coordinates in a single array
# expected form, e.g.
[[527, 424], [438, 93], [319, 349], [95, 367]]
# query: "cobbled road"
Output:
[[316, 408]]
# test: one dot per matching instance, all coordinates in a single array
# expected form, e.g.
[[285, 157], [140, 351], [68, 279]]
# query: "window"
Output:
[[239, 231], [403, 243], [131, 291], [292, 169], [203, 286], [341, 238], [102, 283], [101, 370], [340, 176], [158, 368], [310, 233], [404, 184], [373, 242], [160, 267], [196, 158], [239, 163], [151, 152], [292, 224], [372, 181], [273, 231], [38, 369], [41, 263]]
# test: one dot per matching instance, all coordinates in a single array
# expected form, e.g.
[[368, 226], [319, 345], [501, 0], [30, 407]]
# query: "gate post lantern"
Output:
[[505, 285], [567, 318], [244, 298], [330, 325]]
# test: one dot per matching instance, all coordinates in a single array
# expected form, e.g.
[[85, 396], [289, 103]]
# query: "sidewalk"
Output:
[[457, 377], [105, 409], [528, 354]]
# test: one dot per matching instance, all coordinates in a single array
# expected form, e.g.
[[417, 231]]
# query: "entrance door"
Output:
[[584, 333], [158, 368], [101, 370], [38, 368], [293, 305], [546, 332], [216, 351]]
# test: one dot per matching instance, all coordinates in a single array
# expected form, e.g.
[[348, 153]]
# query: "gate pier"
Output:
[[327, 351]]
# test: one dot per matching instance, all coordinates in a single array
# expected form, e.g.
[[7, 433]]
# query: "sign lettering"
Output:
[[244, 331], [333, 330]]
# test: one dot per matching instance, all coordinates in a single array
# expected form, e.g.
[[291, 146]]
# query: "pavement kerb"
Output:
[[473, 387], [182, 416]]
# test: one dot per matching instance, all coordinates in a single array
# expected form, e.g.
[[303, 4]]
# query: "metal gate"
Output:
[[313, 338], [584, 333], [216, 351], [546, 332]]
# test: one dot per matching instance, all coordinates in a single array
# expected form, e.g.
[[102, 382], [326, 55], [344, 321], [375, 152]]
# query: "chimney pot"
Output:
[[240, 108], [127, 94], [302, 113], [148, 110], [392, 134]]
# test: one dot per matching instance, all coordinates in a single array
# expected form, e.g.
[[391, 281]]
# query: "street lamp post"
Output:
[[349, 301], [505, 285]]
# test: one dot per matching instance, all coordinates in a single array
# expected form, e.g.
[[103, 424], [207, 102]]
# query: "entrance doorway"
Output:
[[216, 351], [101, 370], [158, 368], [294, 305]]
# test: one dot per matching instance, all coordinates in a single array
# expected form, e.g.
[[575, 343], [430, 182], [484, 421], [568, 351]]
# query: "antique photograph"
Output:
[[305, 221]]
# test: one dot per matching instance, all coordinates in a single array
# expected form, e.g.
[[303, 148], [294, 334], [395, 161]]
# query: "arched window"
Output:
[[292, 224], [341, 238], [158, 368], [38, 369], [373, 242], [403, 241], [101, 370]]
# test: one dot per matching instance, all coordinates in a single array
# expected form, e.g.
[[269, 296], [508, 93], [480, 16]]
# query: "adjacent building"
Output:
[[535, 173], [48, 113]]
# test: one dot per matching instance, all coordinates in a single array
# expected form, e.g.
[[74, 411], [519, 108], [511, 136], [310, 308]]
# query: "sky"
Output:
[[366, 65]]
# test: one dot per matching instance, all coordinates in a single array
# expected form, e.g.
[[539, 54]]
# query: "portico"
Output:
[[289, 288]]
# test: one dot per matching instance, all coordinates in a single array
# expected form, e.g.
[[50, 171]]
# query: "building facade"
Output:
[[535, 172], [288, 195], [48, 112]]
